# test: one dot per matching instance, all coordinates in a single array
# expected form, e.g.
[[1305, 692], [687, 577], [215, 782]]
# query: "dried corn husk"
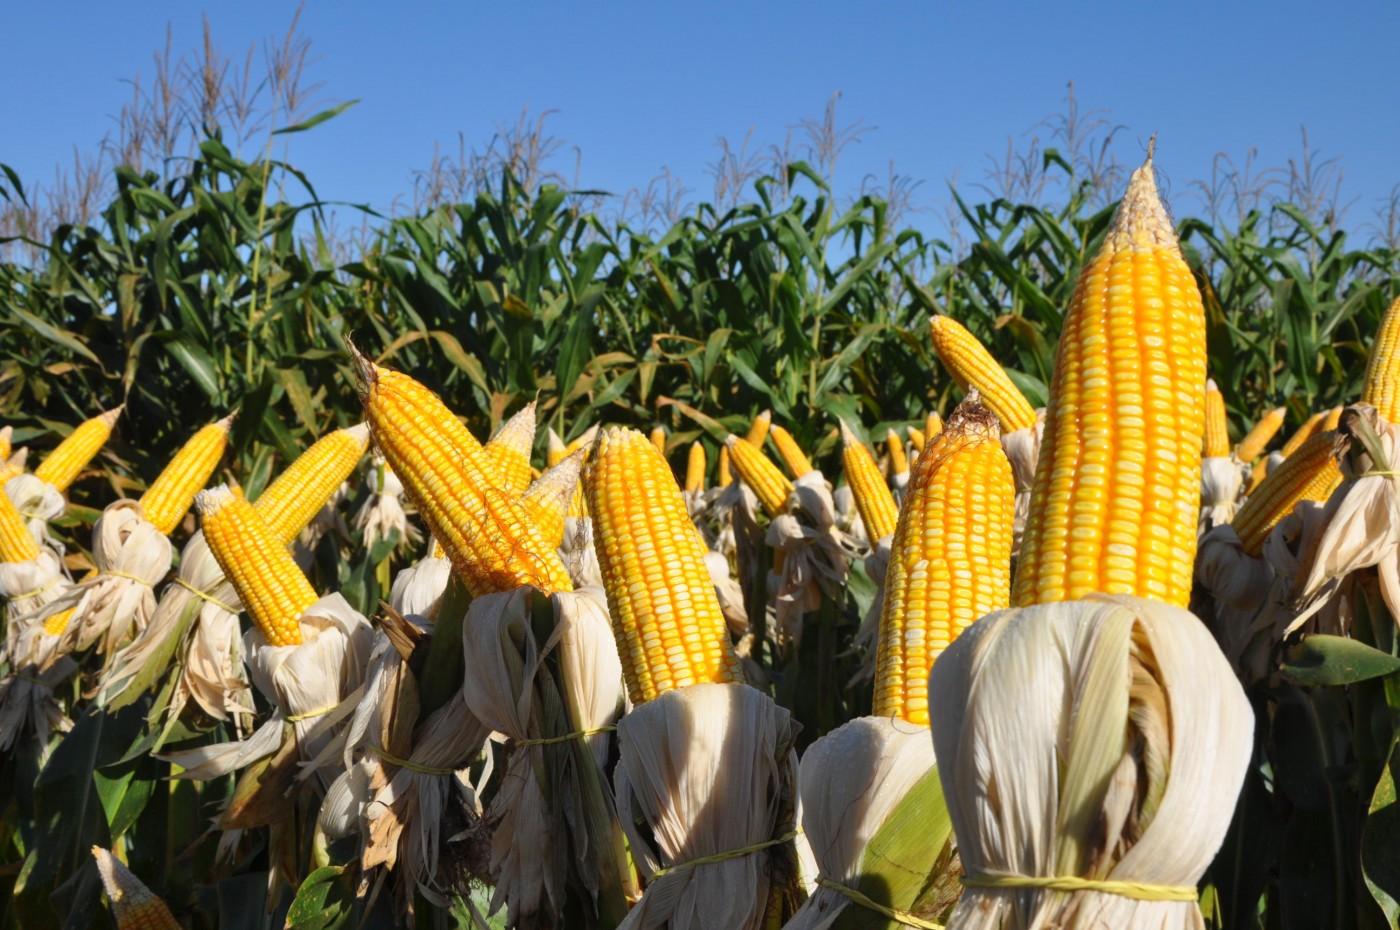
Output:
[[848, 520], [1222, 478], [39, 503], [580, 558], [712, 770], [36, 665], [1122, 760], [1023, 449], [382, 515], [731, 596], [329, 521], [814, 562], [417, 590], [877, 565]]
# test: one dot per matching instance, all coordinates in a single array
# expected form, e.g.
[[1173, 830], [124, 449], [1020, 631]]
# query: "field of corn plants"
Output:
[[522, 567]]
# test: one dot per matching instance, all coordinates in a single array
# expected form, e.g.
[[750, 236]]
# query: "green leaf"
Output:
[[1380, 851], [1322, 660], [318, 119], [197, 363], [323, 902]]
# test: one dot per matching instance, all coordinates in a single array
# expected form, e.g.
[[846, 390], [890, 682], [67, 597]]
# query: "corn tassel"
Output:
[[73, 454], [950, 560], [666, 617], [762, 476], [289, 504], [972, 366], [695, 468], [509, 450], [1307, 475], [1117, 490], [489, 537], [792, 455], [873, 498], [1257, 439], [272, 588], [169, 497], [1381, 388]]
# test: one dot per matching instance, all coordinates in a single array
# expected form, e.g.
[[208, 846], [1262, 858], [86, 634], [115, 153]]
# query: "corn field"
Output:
[[780, 565]]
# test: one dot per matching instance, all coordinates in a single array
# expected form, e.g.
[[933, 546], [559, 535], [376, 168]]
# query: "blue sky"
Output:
[[639, 87]]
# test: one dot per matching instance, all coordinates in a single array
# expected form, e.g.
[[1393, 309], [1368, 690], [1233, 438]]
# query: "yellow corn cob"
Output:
[[509, 450], [134, 906], [15, 465], [762, 476], [1256, 440], [695, 468], [171, 494], [916, 439], [437, 552], [557, 450], [547, 499], [1310, 428], [73, 454], [1217, 439], [932, 426], [758, 430], [899, 462], [788, 450], [1306, 475], [272, 588], [489, 537], [289, 503], [5, 437], [554, 450], [658, 439], [1333, 419], [1381, 389], [873, 498], [55, 625], [722, 470], [972, 366], [583, 439], [1117, 490], [665, 614], [950, 560], [16, 545]]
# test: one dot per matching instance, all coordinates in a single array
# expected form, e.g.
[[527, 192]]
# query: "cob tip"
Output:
[[1141, 221], [213, 499]]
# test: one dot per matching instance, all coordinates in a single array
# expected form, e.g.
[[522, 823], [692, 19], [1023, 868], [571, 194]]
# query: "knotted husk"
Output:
[[39, 503], [1222, 478], [814, 562], [553, 820], [111, 607], [848, 520], [417, 590], [1023, 449], [875, 777], [712, 770], [1101, 739], [877, 565], [382, 515], [36, 664]]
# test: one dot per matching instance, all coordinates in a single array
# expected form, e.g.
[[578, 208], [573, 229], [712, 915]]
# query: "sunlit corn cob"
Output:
[[547, 499], [695, 468], [272, 588], [788, 450], [658, 439], [14, 466], [763, 478], [972, 366], [1333, 419], [722, 473], [1117, 491], [73, 454], [1381, 388], [578, 507], [509, 450], [1306, 475], [894, 446], [950, 560], [304, 487], [489, 537], [16, 544], [665, 614], [758, 429], [1257, 440], [873, 498], [56, 624], [916, 439], [169, 497], [933, 425], [1217, 439], [6, 434], [1311, 427], [134, 906]]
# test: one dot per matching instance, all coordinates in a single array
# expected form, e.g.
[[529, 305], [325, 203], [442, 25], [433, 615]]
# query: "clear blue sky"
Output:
[[642, 86]]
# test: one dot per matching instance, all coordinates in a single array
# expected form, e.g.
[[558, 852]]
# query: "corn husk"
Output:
[[39, 503], [579, 555], [1222, 479], [711, 768], [417, 590], [1023, 449], [848, 520], [111, 607], [814, 562], [328, 522], [36, 665], [877, 565], [134, 906], [382, 515], [731, 596], [1122, 760]]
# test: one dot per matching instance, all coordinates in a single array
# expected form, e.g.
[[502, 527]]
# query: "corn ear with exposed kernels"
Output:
[[1309, 474], [758, 429], [1310, 428], [788, 450], [290, 503], [16, 542], [1217, 437], [1381, 387], [73, 454], [509, 450], [134, 906], [1257, 439], [169, 497], [695, 468], [972, 366], [768, 484], [548, 498], [873, 498]]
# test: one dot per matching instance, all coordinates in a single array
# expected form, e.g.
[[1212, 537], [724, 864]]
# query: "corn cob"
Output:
[[1381, 389], [658, 439], [1333, 419], [666, 617], [272, 588], [972, 366], [14, 466], [758, 430], [695, 468], [58, 623], [489, 537], [169, 497], [762, 476], [899, 462], [1306, 475], [509, 450], [16, 544], [288, 505], [933, 425], [1116, 497], [548, 498], [1217, 438], [73, 454], [873, 498], [134, 906], [1256, 440], [1311, 427], [6, 434], [917, 439], [722, 470], [788, 450], [558, 450], [951, 557]]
